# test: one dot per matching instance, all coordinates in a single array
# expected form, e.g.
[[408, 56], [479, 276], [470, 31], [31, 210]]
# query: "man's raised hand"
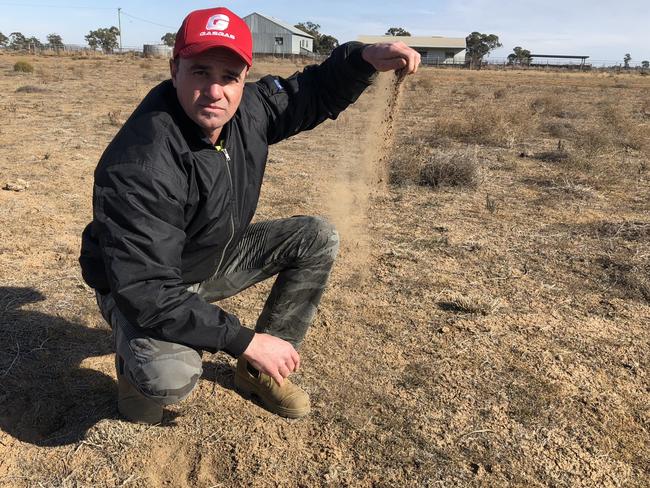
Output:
[[389, 56]]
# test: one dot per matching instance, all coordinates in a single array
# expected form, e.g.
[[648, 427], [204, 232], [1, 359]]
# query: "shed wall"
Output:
[[441, 55], [268, 37]]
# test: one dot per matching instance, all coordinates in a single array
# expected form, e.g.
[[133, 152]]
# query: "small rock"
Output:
[[16, 185]]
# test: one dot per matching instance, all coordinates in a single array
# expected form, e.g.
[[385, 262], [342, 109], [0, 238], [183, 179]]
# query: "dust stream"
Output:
[[362, 171]]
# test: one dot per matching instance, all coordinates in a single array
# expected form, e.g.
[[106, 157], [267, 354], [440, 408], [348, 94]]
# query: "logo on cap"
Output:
[[218, 22]]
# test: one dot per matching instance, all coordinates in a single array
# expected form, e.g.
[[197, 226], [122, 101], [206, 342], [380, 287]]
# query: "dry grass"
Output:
[[31, 89], [493, 337], [417, 163], [23, 67]]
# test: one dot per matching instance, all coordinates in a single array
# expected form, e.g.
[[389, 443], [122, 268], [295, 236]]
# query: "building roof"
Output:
[[419, 41], [289, 27]]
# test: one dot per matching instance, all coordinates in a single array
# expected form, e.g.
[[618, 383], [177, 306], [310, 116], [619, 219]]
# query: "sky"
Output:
[[605, 31]]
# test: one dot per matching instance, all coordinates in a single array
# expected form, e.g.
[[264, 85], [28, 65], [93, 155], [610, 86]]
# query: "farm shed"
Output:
[[433, 49], [272, 36]]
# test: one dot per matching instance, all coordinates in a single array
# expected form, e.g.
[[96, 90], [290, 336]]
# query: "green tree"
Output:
[[479, 45], [106, 38], [397, 31], [4, 40], [645, 64], [327, 44], [169, 39], [519, 56], [626, 60], [323, 43], [55, 41], [17, 41]]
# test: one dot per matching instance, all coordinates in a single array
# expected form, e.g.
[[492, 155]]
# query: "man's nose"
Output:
[[214, 91]]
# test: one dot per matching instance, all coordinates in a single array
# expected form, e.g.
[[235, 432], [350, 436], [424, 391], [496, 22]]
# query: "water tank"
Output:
[[157, 51]]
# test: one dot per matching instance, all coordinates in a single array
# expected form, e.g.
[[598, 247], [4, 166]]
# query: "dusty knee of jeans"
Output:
[[168, 380], [324, 234]]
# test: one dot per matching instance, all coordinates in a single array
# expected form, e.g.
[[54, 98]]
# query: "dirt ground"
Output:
[[487, 330]]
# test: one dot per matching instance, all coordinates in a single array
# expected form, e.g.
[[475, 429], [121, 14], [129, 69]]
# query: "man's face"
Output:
[[209, 87]]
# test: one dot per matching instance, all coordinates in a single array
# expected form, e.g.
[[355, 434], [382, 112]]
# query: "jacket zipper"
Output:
[[232, 220]]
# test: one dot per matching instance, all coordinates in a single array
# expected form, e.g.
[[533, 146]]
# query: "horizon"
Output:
[[550, 27]]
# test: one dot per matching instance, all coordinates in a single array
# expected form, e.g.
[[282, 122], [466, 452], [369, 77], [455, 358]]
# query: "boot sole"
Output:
[[247, 390]]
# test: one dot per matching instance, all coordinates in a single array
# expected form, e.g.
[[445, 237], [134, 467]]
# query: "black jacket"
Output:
[[167, 205]]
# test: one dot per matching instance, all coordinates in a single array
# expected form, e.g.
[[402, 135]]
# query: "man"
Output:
[[174, 195]]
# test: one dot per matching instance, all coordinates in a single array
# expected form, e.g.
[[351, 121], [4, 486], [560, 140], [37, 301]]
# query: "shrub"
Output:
[[427, 166], [550, 105], [457, 168], [23, 67], [30, 89]]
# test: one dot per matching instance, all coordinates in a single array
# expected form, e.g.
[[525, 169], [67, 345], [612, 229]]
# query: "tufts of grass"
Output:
[[472, 304], [23, 67], [31, 89], [427, 166], [487, 122], [500, 93], [559, 129], [551, 105], [115, 118]]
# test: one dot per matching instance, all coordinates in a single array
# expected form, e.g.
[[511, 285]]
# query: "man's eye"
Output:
[[200, 72]]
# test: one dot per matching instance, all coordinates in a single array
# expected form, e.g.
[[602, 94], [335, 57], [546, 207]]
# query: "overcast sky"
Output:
[[599, 29]]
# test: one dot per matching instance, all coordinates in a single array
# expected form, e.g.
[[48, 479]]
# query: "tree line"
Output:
[[478, 45]]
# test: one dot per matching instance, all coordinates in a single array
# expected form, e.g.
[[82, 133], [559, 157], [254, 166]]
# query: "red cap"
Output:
[[214, 27]]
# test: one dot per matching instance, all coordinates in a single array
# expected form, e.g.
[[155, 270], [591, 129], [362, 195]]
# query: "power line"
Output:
[[3, 4], [147, 21]]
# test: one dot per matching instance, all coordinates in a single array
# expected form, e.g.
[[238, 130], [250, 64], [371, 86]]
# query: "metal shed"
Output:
[[272, 36], [433, 49]]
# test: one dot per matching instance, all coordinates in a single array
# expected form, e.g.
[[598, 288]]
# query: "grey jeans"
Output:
[[300, 250]]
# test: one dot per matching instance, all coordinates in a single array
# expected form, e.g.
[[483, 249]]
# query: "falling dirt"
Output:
[[360, 170]]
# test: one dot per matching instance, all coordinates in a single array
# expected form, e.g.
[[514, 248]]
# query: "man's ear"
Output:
[[173, 68]]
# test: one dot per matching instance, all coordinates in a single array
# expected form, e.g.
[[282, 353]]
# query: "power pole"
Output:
[[119, 25]]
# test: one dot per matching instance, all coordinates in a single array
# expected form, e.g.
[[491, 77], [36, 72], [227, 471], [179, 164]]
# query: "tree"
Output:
[[17, 41], [34, 43], [4, 40], [479, 45], [323, 44], [169, 39], [106, 38], [397, 31], [645, 64], [519, 56], [55, 41], [626, 60], [327, 44]]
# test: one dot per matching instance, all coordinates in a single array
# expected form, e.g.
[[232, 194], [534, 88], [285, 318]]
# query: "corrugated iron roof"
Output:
[[418, 41], [289, 27]]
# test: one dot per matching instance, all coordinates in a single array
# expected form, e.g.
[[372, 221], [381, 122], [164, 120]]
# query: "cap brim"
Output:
[[200, 47]]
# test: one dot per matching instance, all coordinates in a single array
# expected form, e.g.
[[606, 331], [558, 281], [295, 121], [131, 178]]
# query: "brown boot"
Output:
[[132, 404], [287, 400]]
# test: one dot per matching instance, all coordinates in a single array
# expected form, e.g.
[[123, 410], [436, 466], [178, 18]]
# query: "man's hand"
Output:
[[395, 56], [273, 356]]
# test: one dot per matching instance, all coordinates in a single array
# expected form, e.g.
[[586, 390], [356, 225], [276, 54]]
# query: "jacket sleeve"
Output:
[[307, 98], [139, 211]]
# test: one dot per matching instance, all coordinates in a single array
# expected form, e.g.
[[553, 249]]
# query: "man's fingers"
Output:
[[277, 377], [296, 359]]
